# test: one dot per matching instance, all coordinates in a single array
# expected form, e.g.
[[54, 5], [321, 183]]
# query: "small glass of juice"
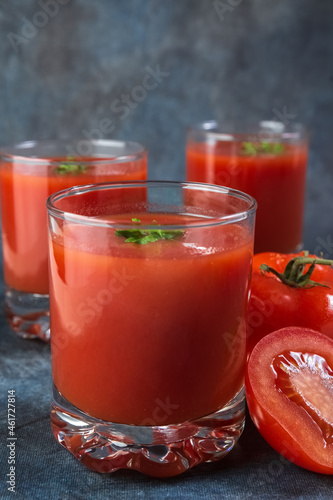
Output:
[[267, 161], [29, 173], [149, 286]]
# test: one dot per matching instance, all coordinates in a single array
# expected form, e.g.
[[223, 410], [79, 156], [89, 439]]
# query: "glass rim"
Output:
[[95, 221], [237, 130], [12, 152]]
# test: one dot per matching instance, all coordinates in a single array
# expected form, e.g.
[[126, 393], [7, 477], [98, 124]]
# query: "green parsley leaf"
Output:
[[264, 147], [69, 168], [278, 148], [142, 237], [248, 148]]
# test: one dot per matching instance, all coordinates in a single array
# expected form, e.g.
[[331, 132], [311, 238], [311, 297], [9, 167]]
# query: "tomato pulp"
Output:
[[24, 191], [289, 391], [277, 182], [149, 334]]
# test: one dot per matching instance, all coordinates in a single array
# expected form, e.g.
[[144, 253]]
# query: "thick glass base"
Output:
[[159, 451], [28, 314]]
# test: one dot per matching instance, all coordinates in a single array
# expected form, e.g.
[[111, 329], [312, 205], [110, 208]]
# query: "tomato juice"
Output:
[[149, 334], [276, 181], [24, 190]]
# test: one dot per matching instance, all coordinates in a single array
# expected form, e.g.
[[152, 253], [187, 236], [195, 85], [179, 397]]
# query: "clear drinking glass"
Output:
[[29, 173], [268, 161], [149, 286]]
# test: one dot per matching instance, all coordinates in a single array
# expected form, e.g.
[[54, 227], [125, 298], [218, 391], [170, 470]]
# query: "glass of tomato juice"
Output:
[[267, 161], [149, 285], [29, 173]]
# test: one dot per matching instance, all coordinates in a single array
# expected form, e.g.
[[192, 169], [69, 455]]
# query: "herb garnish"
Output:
[[265, 147], [142, 237], [70, 167]]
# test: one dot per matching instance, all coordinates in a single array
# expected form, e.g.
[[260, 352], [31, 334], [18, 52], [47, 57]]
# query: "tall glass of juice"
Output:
[[149, 286], [29, 173], [267, 161]]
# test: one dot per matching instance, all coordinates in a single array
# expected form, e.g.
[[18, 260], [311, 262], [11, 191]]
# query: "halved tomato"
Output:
[[289, 392]]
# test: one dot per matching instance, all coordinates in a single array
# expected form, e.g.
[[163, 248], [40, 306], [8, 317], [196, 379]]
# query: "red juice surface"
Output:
[[149, 334], [24, 191], [277, 182]]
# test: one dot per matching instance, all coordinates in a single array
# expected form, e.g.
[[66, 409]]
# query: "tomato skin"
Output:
[[289, 429], [274, 305]]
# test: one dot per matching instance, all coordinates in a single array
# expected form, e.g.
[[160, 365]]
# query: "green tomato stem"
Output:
[[294, 275]]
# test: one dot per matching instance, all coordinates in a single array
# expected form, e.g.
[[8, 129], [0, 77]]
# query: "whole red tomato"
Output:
[[290, 290]]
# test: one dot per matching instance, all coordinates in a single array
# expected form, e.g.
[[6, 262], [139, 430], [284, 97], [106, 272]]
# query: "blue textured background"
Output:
[[253, 59], [259, 58]]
